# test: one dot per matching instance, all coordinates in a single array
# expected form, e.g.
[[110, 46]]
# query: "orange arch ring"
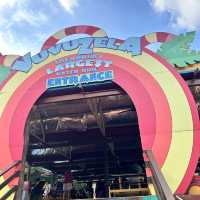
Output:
[[167, 115]]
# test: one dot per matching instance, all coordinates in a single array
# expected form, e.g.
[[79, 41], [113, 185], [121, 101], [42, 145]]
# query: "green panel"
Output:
[[4, 72], [150, 198], [178, 51]]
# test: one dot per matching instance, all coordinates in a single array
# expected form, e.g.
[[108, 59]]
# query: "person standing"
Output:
[[25, 193], [94, 185], [67, 185], [47, 190], [37, 191]]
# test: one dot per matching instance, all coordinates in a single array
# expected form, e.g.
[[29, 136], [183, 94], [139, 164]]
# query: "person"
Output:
[[47, 189], [101, 189], [53, 193], [25, 192], [94, 185], [37, 191], [67, 185]]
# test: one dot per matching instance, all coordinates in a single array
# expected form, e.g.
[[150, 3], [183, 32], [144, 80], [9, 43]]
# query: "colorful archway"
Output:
[[167, 115]]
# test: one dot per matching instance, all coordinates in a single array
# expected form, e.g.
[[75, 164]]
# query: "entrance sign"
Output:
[[79, 70], [167, 114], [84, 46], [80, 79]]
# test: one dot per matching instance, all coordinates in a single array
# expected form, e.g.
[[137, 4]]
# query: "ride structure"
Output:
[[167, 114]]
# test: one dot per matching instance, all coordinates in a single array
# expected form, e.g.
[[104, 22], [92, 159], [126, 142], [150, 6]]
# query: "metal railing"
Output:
[[161, 187], [14, 174]]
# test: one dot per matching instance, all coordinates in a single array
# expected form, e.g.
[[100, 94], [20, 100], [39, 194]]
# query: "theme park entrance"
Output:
[[92, 132], [90, 106]]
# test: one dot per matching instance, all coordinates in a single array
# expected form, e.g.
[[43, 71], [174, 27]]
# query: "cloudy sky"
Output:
[[25, 24]]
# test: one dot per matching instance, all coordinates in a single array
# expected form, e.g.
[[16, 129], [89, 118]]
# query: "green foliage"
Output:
[[39, 173], [178, 51], [4, 72], [81, 190]]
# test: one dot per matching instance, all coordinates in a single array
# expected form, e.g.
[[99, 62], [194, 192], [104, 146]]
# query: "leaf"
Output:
[[4, 72], [178, 51]]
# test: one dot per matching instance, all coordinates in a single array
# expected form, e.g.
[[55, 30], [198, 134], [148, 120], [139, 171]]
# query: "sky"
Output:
[[26, 24]]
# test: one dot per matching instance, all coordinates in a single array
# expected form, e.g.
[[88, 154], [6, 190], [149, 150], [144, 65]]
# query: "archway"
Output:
[[168, 124]]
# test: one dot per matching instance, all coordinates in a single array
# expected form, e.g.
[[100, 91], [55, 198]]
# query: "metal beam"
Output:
[[76, 138], [194, 82], [84, 95], [127, 141]]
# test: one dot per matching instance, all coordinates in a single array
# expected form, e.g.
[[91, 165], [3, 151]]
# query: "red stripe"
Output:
[[2, 58], [90, 30], [119, 41], [81, 29], [70, 30], [50, 42], [144, 42], [163, 37]]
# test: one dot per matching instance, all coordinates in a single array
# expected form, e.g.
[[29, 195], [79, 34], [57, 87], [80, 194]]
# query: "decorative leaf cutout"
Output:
[[178, 52], [4, 72]]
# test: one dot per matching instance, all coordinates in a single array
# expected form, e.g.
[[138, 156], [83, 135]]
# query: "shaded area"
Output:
[[91, 130]]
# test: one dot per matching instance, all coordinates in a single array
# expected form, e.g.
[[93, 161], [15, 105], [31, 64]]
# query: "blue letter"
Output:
[[23, 64], [70, 45], [54, 50], [73, 80], [93, 77], [100, 76], [84, 78], [131, 45], [50, 83], [85, 45], [109, 75], [111, 43], [100, 42], [38, 58]]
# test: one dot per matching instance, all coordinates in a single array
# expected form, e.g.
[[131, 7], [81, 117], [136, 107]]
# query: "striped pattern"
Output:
[[156, 37], [8, 60], [97, 32], [89, 30]]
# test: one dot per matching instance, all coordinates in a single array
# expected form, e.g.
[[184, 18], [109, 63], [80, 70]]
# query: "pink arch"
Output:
[[138, 83], [138, 87], [151, 121]]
